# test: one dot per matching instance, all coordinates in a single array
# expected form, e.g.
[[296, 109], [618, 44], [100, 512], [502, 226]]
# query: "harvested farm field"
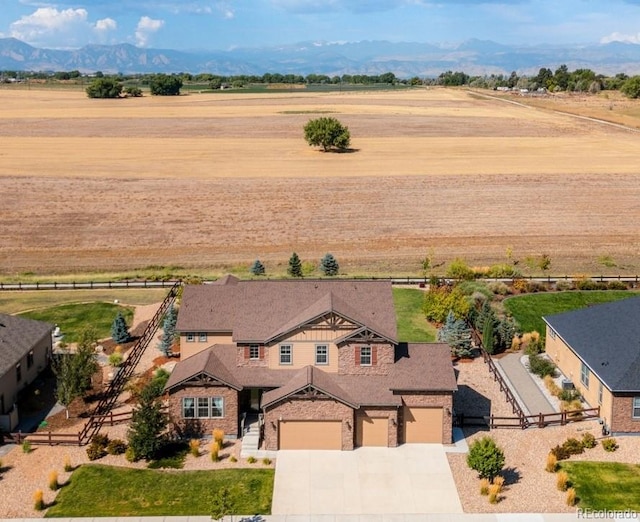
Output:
[[216, 180]]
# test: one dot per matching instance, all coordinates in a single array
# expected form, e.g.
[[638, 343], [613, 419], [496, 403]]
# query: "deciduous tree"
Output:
[[104, 88], [165, 85], [328, 133]]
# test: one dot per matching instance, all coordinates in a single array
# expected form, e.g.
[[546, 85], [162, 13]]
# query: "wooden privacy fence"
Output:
[[102, 411], [520, 419]]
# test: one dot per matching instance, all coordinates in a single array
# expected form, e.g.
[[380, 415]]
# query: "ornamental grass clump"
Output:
[[266, 461], [67, 464], [252, 460], [494, 494], [218, 436], [215, 452], [499, 482], [194, 447], [589, 441], [571, 497], [484, 486], [562, 480], [609, 444], [52, 480], [233, 458], [552, 463], [38, 500]]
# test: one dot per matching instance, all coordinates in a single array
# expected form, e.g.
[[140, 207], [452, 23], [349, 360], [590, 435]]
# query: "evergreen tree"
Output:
[[119, 330], [148, 424], [168, 331], [257, 269], [457, 335], [329, 266], [295, 266], [489, 336]]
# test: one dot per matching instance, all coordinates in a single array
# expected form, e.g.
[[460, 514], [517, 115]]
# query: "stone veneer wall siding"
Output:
[[308, 409], [263, 362], [622, 420], [391, 414], [229, 423], [385, 355], [436, 399]]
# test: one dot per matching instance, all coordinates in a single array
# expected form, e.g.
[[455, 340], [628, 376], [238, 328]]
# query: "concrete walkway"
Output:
[[522, 384]]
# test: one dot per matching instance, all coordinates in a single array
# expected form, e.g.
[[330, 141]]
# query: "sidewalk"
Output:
[[522, 384]]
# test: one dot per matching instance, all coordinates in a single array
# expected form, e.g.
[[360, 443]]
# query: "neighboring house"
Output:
[[25, 350], [598, 349], [318, 360]]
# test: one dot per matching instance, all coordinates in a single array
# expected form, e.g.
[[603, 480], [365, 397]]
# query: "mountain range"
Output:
[[407, 59]]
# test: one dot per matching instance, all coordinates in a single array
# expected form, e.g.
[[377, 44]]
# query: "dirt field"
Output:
[[209, 180]]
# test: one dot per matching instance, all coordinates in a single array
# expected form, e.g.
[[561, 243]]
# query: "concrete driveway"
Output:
[[414, 478]]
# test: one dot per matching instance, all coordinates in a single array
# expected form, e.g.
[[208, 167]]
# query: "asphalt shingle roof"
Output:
[[606, 337], [18, 335]]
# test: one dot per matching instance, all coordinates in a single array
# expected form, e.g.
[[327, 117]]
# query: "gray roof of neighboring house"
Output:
[[606, 337], [419, 368], [17, 337], [259, 311]]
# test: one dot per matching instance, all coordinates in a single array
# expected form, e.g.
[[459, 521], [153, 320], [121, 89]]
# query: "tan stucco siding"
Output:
[[189, 348], [570, 365], [303, 354]]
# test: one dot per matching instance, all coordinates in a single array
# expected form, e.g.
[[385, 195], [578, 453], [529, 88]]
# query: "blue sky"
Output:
[[212, 24]]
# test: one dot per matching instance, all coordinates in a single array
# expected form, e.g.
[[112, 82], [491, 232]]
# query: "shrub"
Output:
[[562, 481], [552, 463], [569, 395], [130, 455], [266, 461], [484, 486], [551, 385], [499, 288], [617, 285], [610, 444], [67, 464], [560, 453], [571, 497], [541, 366], [95, 451], [573, 406], [38, 500], [233, 458], [573, 446], [520, 285], [251, 460], [503, 270], [218, 436], [100, 439], [589, 441], [115, 359], [562, 286], [589, 284], [485, 457], [116, 447], [494, 494], [52, 480], [26, 446], [499, 482], [194, 447], [215, 452], [459, 269]]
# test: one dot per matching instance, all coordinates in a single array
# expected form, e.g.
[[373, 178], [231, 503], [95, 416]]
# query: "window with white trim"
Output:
[[322, 354], [202, 337], [365, 356], [286, 355], [636, 407], [584, 374], [552, 332], [191, 337], [202, 407], [254, 352], [30, 359], [600, 393]]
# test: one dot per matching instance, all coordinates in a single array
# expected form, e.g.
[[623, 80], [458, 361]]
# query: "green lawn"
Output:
[[605, 485], [412, 324], [529, 309], [106, 491], [73, 318]]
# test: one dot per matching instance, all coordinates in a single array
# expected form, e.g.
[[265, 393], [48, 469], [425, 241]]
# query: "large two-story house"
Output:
[[319, 360], [598, 349]]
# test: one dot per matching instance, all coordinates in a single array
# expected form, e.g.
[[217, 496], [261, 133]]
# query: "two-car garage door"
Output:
[[422, 424], [310, 435]]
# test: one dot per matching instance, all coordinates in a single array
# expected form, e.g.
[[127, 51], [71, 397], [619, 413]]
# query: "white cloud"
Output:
[[47, 24], [146, 28], [619, 37], [106, 24]]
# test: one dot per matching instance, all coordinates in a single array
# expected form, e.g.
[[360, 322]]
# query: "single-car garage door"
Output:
[[372, 431], [422, 424], [310, 435]]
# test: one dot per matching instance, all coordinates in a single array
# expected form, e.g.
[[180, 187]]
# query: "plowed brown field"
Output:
[[214, 180]]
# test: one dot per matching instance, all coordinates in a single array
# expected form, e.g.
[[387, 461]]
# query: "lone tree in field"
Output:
[[329, 266], [257, 268], [104, 88], [328, 133], [485, 457], [119, 330], [165, 85], [295, 266]]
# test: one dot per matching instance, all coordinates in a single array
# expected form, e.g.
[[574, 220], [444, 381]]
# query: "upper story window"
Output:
[[584, 374], [254, 352], [202, 337], [18, 372], [365, 356], [30, 359], [191, 337], [322, 354], [600, 393], [552, 332], [286, 355], [636, 407]]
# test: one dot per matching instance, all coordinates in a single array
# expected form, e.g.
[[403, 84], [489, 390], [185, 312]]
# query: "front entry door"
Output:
[[255, 399]]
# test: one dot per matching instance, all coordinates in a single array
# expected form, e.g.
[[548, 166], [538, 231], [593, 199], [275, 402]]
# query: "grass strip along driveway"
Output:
[[106, 491], [605, 485]]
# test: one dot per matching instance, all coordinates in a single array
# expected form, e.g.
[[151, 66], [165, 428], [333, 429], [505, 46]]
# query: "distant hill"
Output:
[[404, 59]]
